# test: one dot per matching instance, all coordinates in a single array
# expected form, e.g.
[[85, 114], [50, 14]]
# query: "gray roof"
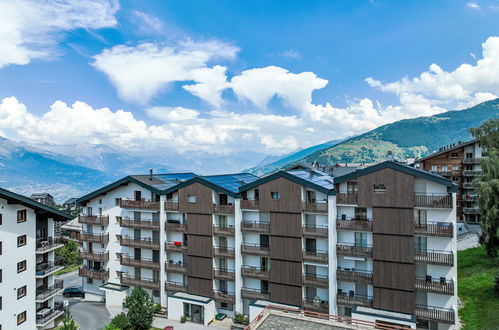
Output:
[[70, 201], [446, 149], [41, 195]]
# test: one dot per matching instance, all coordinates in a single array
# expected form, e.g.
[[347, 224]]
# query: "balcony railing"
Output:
[[142, 204], [175, 286], [472, 172], [144, 243], [257, 294], [471, 161], [138, 224], [255, 272], [435, 314], [255, 249], [48, 267], [139, 263], [354, 224], [346, 198], [315, 207], [224, 274], [224, 230], [224, 209], [255, 227], [249, 204], [100, 220], [433, 200], [353, 299], [471, 210], [435, 285], [176, 246], [225, 296], [176, 267], [317, 305], [436, 257], [468, 185], [223, 251], [45, 292], [141, 282], [94, 256], [314, 280], [315, 256], [47, 243], [354, 275], [470, 198], [47, 317], [441, 229], [171, 205], [315, 230], [176, 225], [95, 238], [97, 274], [352, 250], [442, 172]]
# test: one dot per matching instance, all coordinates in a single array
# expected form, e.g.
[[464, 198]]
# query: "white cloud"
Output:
[[473, 5], [31, 29], [291, 53], [146, 23], [172, 114], [210, 84]]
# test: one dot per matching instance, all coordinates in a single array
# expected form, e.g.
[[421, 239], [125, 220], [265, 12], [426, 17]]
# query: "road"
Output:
[[70, 279]]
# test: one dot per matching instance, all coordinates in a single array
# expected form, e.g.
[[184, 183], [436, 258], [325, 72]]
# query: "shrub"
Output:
[[120, 322], [68, 323], [241, 318], [157, 308], [183, 319], [140, 309]]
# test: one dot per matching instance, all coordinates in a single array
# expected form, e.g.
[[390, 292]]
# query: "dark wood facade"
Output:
[[290, 196], [203, 196], [286, 294]]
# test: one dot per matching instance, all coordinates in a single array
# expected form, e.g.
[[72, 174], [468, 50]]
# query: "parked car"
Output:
[[73, 292]]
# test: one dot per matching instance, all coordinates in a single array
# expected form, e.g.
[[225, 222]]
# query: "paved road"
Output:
[[70, 279]]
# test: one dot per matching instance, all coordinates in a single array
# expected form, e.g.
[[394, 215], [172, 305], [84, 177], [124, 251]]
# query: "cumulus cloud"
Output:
[[31, 29], [172, 114], [210, 84], [473, 5]]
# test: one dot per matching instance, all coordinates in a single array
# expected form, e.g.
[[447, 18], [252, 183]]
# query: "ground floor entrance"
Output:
[[194, 313]]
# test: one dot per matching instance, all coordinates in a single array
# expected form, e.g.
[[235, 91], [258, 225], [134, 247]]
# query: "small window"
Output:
[[1, 219], [21, 240], [455, 179], [21, 216], [0, 248], [155, 293], [21, 266], [455, 167], [379, 187], [445, 168], [454, 155], [0, 303], [90, 280], [191, 198], [117, 201], [434, 168], [21, 318], [0, 276], [275, 195], [100, 201], [21, 292]]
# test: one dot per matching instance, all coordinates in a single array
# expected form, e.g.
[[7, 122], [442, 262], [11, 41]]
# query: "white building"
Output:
[[27, 263]]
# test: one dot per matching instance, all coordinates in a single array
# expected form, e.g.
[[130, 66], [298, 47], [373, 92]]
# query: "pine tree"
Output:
[[140, 309]]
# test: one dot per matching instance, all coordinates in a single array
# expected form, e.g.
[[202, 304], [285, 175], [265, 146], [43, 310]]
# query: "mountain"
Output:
[[405, 138]]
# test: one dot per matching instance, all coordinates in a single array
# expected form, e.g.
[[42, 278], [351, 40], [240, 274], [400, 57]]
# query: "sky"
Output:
[[222, 77]]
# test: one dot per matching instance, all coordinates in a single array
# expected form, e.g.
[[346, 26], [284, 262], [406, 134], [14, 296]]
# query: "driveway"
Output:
[[70, 279], [89, 315]]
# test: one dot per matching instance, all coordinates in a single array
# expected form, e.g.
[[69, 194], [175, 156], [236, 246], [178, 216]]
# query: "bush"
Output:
[[157, 308], [496, 283], [183, 319], [68, 323], [241, 318], [68, 253], [111, 326], [140, 309], [120, 322]]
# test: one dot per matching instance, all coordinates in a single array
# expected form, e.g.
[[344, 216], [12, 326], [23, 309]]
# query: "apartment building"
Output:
[[28, 263], [460, 163], [377, 244]]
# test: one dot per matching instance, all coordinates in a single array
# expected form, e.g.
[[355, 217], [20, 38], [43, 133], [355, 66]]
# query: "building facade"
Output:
[[374, 244], [28, 263]]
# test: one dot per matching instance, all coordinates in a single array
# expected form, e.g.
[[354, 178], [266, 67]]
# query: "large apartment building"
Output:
[[28, 263], [377, 244], [459, 163]]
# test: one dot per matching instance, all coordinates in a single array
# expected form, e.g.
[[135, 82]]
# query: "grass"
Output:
[[68, 269], [476, 290]]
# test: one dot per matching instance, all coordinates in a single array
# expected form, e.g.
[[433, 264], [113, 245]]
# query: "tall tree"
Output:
[[487, 186], [140, 309]]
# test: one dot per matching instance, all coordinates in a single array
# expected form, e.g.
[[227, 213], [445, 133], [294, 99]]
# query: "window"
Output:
[[21, 240], [352, 187], [21, 318], [0, 218], [89, 210], [21, 292], [90, 280], [21, 266], [0, 276], [454, 155], [100, 201], [155, 293], [469, 155], [420, 244], [0, 303], [445, 168], [0, 248], [275, 195], [455, 167], [455, 179], [21, 216], [360, 239], [117, 201], [191, 198], [138, 195], [434, 168], [379, 187], [361, 213]]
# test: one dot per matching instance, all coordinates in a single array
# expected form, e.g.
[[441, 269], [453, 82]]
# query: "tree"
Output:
[[68, 323], [68, 253], [119, 322], [140, 308], [487, 186]]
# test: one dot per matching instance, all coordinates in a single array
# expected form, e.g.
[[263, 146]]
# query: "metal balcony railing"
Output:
[[176, 246], [47, 243], [468, 185], [471, 161], [125, 260], [436, 257], [224, 209], [224, 274], [47, 317], [249, 204], [441, 229], [317, 305], [314, 280], [315, 230], [171, 205], [353, 299], [99, 220], [472, 172], [94, 256], [222, 230], [433, 200], [354, 275], [223, 251], [315, 256], [175, 286], [255, 272], [255, 226], [142, 204], [95, 238], [435, 285], [249, 293], [96, 274], [47, 267], [346, 198], [138, 224], [144, 243], [471, 210], [142, 282], [353, 250], [42, 293], [255, 249], [315, 207], [435, 314], [354, 224], [225, 296], [176, 267], [175, 225]]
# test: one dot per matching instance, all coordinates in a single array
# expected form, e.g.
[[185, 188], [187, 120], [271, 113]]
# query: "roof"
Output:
[[41, 195], [38, 207], [72, 225], [226, 183], [447, 149], [70, 201], [401, 168]]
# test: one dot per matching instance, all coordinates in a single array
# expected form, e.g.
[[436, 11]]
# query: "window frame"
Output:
[[275, 195], [21, 320], [22, 216], [20, 263], [20, 244], [23, 290]]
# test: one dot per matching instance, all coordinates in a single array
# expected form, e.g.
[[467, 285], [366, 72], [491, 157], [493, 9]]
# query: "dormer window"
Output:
[[275, 195], [379, 187]]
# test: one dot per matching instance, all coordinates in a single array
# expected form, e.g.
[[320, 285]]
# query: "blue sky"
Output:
[[230, 76]]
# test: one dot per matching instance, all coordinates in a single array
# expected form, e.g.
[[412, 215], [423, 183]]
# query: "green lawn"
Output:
[[475, 274], [68, 269]]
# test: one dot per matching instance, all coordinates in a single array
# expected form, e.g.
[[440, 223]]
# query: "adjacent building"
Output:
[[28, 263], [376, 244], [43, 198]]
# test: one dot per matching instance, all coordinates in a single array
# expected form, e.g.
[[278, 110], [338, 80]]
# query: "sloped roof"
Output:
[[226, 183], [70, 201], [441, 152]]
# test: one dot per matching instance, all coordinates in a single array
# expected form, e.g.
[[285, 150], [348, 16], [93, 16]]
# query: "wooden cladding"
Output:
[[286, 294], [200, 224], [394, 300], [398, 192], [200, 286], [285, 224], [393, 221], [200, 267], [394, 275], [286, 248], [289, 196], [203, 199], [286, 272], [393, 248], [200, 246]]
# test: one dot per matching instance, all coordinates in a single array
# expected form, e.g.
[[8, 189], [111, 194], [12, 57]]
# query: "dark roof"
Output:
[[41, 195], [28, 202], [398, 167], [70, 201], [443, 151], [226, 183]]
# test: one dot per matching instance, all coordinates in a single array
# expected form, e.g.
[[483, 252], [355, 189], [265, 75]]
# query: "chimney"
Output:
[[150, 174], [389, 155]]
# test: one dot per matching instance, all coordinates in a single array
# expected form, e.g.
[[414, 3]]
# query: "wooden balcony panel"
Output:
[[255, 227], [433, 200], [138, 224], [223, 209], [225, 296], [435, 257], [175, 226], [139, 263], [316, 231], [471, 161], [315, 207], [175, 286], [439, 229], [100, 220], [175, 267], [255, 249], [354, 224], [317, 281], [94, 256], [249, 204], [316, 256], [224, 274], [172, 247], [142, 204], [354, 275], [143, 243], [219, 251], [316, 305], [441, 286], [350, 300], [352, 250], [227, 230], [96, 274], [435, 314], [171, 205], [346, 198], [140, 282], [95, 238], [255, 272], [256, 294]]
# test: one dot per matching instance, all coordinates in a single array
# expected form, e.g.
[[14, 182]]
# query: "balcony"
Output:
[[47, 244], [95, 238], [171, 205], [255, 249], [176, 246], [94, 256], [255, 227], [468, 185], [138, 224], [223, 251], [315, 230], [440, 229], [443, 201], [471, 210], [353, 250], [351, 299], [223, 230], [48, 267], [354, 275], [142, 204], [99, 220], [175, 286], [225, 296], [470, 198], [471, 161], [320, 306], [141, 282], [97, 274], [224, 274], [143, 243], [44, 293], [435, 314], [315, 207], [316, 256], [435, 257], [316, 281], [175, 225], [255, 272], [254, 294], [139, 263], [176, 267], [346, 198], [249, 204], [435, 285], [442, 172], [472, 172], [223, 209], [47, 314], [354, 224]]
